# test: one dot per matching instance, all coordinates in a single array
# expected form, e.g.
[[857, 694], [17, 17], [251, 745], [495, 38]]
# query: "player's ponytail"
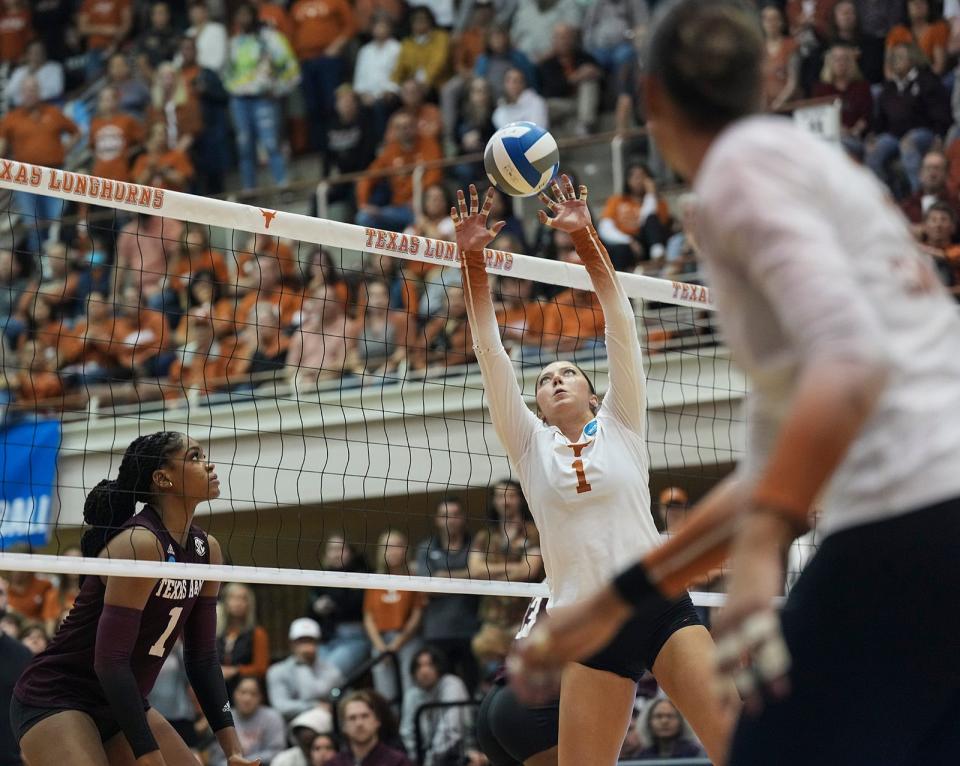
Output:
[[102, 512], [113, 501]]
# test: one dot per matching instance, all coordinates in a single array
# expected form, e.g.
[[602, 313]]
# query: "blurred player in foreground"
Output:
[[82, 701], [853, 348]]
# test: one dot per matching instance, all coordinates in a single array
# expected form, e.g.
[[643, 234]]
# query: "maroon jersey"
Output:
[[63, 674]]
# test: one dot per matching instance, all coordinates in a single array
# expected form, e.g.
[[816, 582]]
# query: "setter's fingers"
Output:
[[583, 193], [557, 192], [474, 200], [567, 185], [455, 216], [498, 226], [545, 199], [544, 218], [487, 203], [462, 203]]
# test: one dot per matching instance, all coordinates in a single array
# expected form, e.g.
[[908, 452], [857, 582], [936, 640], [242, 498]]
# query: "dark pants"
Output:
[[874, 629], [320, 77], [653, 232]]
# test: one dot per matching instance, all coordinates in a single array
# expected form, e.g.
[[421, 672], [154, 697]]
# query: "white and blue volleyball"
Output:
[[521, 158]]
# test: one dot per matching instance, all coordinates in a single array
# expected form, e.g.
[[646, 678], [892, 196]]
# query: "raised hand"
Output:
[[471, 225], [570, 214]]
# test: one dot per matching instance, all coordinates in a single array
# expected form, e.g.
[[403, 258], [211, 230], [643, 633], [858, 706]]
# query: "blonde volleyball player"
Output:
[[583, 468], [853, 347]]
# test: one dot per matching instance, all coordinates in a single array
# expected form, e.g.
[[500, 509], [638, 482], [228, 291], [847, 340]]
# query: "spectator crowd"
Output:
[[380, 676], [102, 305], [98, 304], [170, 316]]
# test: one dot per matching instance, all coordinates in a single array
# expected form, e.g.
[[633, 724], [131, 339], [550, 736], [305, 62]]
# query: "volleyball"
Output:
[[521, 158]]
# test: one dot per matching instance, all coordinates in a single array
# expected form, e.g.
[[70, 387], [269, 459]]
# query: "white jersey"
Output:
[[809, 258], [590, 498]]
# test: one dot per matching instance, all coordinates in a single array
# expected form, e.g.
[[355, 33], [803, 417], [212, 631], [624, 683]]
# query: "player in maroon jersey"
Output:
[[83, 700]]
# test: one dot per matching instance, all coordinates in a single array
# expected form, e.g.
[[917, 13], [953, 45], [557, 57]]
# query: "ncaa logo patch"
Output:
[[199, 545], [590, 428]]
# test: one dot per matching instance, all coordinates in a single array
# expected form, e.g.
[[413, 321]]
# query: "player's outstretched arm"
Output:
[[626, 395], [511, 418], [473, 234]]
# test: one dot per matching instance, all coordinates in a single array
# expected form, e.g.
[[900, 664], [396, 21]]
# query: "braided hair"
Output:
[[113, 501]]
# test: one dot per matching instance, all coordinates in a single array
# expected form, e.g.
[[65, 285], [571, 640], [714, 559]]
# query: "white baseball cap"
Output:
[[318, 719], [304, 627]]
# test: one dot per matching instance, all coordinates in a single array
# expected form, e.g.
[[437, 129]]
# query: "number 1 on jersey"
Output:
[[582, 484], [157, 649]]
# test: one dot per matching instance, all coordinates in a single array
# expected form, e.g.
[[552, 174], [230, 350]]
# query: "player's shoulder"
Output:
[[608, 421], [757, 145], [761, 133], [138, 543], [216, 552]]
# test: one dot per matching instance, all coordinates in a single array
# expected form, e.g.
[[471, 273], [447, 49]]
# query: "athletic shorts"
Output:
[[24, 717], [873, 627], [509, 733], [635, 648]]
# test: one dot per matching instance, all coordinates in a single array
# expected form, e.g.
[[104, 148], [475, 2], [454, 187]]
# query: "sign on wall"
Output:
[[28, 464]]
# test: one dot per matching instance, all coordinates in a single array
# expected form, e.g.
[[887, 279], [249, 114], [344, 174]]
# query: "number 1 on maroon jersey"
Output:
[[157, 649]]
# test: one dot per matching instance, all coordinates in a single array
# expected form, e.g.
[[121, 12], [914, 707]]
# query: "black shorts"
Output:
[[873, 627], [509, 733], [24, 717], [635, 648]]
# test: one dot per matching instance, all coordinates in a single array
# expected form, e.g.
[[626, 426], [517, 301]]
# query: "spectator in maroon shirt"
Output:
[[841, 77], [933, 189], [361, 729], [913, 109]]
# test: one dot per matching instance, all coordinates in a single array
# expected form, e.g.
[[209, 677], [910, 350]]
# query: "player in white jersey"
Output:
[[853, 348], [583, 469]]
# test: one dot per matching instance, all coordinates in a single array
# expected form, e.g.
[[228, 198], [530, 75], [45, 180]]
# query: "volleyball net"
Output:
[[327, 370]]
